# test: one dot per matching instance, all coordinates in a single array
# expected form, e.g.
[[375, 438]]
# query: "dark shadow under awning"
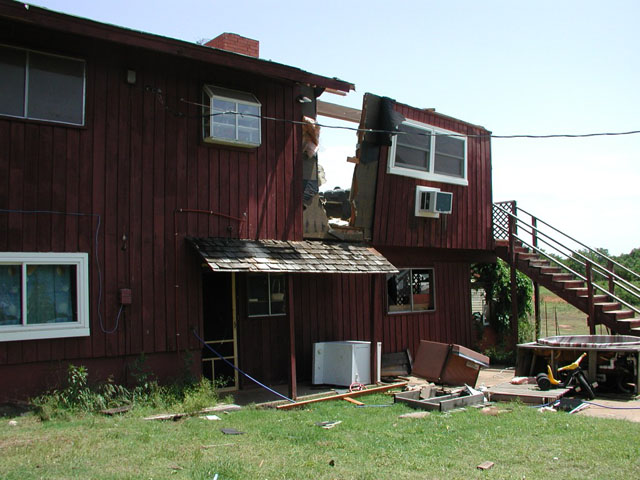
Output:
[[233, 255]]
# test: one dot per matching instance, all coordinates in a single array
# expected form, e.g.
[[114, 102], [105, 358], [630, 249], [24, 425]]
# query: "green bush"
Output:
[[78, 397]]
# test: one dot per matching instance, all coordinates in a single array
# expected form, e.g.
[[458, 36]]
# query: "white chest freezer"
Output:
[[342, 363]]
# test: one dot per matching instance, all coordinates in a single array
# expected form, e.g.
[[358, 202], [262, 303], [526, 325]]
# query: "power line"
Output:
[[161, 100]]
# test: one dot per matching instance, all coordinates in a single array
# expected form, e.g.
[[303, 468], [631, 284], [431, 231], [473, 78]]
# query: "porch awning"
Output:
[[233, 255]]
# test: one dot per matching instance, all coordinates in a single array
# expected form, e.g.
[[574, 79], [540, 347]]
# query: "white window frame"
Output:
[[25, 102], [79, 328], [211, 93], [432, 289], [431, 133]]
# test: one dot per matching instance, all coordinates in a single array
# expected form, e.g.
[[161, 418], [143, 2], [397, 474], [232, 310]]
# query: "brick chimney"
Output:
[[235, 43]]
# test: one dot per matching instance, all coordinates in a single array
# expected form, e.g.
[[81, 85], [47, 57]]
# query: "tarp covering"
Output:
[[233, 255]]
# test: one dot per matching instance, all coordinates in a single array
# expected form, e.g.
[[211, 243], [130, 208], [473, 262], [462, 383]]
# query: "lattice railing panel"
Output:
[[501, 219]]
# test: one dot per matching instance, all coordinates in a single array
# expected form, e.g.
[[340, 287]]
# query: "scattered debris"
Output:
[[223, 407], [448, 363], [175, 467], [443, 403], [523, 381], [166, 416], [261, 463], [116, 410], [328, 424], [332, 463], [231, 431], [13, 423], [351, 400], [383, 388], [206, 447], [415, 415], [530, 394], [547, 409], [485, 465], [394, 364], [210, 417], [493, 411], [571, 405]]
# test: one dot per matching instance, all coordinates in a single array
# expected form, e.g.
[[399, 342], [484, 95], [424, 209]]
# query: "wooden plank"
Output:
[[339, 112], [293, 383], [368, 391], [505, 392]]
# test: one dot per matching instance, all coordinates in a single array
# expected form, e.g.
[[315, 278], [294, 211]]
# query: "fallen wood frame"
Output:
[[383, 388], [443, 403]]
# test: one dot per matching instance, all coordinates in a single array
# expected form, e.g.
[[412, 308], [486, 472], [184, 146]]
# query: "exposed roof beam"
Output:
[[340, 112]]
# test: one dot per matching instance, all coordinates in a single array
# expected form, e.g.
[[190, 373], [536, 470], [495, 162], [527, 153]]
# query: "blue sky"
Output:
[[540, 67]]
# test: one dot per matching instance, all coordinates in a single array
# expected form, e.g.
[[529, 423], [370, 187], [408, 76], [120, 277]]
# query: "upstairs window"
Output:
[[40, 86], [43, 295], [429, 153], [410, 290], [231, 117]]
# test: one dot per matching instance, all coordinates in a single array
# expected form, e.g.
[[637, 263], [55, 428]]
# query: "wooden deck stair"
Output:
[[607, 311]]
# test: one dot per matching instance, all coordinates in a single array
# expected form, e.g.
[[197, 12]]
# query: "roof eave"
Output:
[[44, 18]]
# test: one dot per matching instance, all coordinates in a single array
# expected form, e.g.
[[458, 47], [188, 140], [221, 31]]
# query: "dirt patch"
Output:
[[608, 408]]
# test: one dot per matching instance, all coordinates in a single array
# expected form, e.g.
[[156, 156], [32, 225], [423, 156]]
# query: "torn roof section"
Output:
[[233, 255]]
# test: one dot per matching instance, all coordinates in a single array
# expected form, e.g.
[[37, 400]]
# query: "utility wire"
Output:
[[177, 113]]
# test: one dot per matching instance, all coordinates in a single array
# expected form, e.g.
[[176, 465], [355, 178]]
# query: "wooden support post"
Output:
[[591, 318], [593, 365], [536, 308], [374, 330], [514, 281], [293, 383], [536, 286]]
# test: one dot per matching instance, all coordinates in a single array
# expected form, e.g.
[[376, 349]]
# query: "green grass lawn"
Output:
[[370, 443], [570, 320]]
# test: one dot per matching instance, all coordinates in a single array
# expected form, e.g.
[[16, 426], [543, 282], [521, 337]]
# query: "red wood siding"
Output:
[[133, 165], [469, 224], [332, 307]]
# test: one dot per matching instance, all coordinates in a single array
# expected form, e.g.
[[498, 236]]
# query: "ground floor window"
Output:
[[43, 295], [266, 294], [411, 290]]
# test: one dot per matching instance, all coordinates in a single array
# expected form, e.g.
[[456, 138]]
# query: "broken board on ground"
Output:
[[526, 393], [443, 403]]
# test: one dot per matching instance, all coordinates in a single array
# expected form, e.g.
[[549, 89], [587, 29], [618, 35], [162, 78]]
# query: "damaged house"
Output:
[[157, 194]]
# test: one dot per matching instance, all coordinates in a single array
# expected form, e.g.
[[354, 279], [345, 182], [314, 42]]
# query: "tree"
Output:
[[497, 283]]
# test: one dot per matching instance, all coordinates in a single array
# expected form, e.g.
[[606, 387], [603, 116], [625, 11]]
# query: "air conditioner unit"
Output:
[[431, 202]]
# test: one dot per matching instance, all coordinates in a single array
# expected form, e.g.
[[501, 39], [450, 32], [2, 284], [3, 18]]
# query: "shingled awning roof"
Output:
[[233, 255]]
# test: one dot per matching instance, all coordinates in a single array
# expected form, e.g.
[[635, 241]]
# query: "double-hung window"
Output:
[[266, 294], [41, 86], [231, 117], [429, 153], [411, 290], [43, 295]]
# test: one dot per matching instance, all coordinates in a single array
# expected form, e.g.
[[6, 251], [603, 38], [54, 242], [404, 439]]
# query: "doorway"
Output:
[[220, 329]]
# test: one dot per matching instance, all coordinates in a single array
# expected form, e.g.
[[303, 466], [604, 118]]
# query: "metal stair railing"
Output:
[[508, 222]]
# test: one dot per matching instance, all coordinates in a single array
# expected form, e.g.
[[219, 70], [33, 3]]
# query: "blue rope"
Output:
[[237, 369]]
